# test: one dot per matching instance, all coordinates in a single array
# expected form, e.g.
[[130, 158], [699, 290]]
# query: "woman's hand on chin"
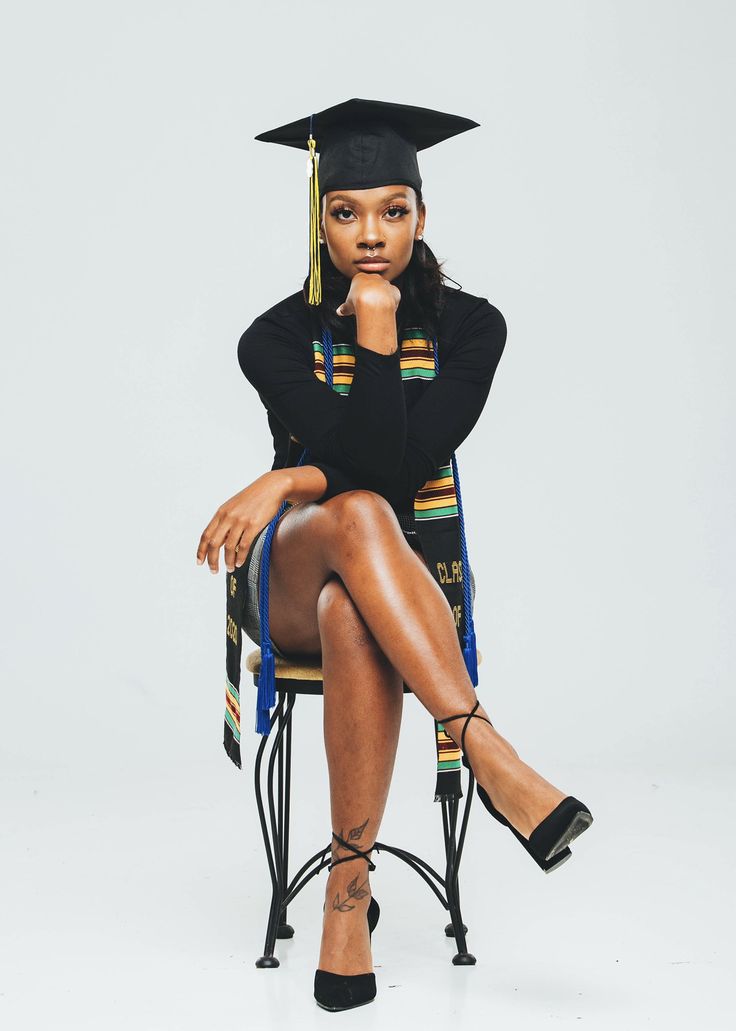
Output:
[[238, 521], [369, 290]]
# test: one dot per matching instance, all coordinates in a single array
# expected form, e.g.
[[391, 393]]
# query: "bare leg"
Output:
[[363, 699], [357, 536]]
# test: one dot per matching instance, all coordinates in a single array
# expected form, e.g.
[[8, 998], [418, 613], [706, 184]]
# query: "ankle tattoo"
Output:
[[354, 890], [355, 834]]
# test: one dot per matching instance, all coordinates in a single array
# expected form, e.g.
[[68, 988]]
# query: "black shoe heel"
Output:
[[548, 864], [346, 991], [548, 843], [566, 821]]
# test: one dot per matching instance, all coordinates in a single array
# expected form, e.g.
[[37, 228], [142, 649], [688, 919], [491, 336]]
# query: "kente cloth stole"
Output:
[[440, 530]]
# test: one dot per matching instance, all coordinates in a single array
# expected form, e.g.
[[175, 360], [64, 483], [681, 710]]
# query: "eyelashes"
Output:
[[336, 212]]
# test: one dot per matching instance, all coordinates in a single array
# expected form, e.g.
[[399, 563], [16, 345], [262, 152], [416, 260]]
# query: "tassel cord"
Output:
[[470, 653], [267, 676]]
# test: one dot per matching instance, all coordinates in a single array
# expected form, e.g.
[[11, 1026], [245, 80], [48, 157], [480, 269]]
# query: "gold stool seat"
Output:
[[299, 668]]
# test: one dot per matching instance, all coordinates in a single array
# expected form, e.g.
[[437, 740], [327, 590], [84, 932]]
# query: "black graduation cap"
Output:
[[362, 144]]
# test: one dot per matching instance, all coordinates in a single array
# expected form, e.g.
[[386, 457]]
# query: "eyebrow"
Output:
[[349, 200]]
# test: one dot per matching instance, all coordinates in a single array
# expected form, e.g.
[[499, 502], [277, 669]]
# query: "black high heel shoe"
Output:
[[548, 842], [345, 991]]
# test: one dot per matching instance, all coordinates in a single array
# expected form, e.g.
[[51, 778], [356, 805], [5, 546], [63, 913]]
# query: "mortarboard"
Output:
[[361, 144]]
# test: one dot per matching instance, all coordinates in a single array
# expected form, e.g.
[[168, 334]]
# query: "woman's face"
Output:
[[385, 220]]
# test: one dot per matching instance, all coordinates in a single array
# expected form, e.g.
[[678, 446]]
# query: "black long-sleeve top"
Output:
[[388, 434]]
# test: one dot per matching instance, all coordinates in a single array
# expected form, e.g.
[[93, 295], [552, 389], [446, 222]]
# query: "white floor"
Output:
[[138, 899]]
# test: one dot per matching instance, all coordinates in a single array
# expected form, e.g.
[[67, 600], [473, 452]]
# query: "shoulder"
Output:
[[470, 324], [290, 313], [463, 310], [284, 327]]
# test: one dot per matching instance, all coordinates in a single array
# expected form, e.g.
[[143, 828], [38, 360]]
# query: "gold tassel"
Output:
[[315, 271]]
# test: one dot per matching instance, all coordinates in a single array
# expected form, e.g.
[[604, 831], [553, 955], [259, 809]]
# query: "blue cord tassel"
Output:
[[266, 698], [470, 650], [267, 675], [263, 722], [267, 680], [266, 691], [470, 654]]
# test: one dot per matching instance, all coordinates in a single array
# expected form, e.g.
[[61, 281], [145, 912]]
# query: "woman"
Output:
[[361, 533]]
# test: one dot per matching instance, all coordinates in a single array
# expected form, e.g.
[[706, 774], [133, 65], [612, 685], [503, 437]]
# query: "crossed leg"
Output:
[[344, 582], [363, 700]]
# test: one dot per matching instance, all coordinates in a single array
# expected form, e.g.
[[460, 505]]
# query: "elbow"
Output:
[[244, 354], [392, 468], [385, 462], [251, 358], [365, 455], [382, 477], [369, 471], [368, 456]]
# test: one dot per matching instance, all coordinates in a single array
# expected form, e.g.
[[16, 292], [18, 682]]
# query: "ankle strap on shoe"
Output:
[[469, 715], [359, 854]]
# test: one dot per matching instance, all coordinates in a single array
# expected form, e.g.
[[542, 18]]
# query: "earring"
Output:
[[421, 236]]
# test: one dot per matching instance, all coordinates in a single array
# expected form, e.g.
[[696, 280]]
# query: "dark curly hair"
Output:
[[421, 284]]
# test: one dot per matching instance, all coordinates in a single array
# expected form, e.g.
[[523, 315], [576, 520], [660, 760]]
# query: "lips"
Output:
[[372, 261]]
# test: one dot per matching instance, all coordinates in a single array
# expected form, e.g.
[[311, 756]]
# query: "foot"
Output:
[[345, 947], [516, 790]]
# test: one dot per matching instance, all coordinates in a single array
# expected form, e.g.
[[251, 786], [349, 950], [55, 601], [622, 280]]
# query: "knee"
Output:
[[334, 604], [358, 512], [338, 617]]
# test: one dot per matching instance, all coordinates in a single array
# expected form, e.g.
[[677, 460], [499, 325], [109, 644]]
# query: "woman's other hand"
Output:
[[369, 290], [238, 521]]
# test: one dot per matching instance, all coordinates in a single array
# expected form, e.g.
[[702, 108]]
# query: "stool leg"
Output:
[[273, 828], [285, 930], [453, 854]]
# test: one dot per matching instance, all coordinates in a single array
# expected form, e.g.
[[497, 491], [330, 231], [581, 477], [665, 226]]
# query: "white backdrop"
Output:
[[143, 229]]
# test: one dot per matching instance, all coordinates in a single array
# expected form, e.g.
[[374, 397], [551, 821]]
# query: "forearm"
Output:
[[376, 327], [302, 483]]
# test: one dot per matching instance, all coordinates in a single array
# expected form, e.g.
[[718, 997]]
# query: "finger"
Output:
[[207, 534], [243, 547], [339, 310], [217, 539], [233, 547]]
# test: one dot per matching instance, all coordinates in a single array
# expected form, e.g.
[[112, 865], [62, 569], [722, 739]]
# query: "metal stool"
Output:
[[304, 677]]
